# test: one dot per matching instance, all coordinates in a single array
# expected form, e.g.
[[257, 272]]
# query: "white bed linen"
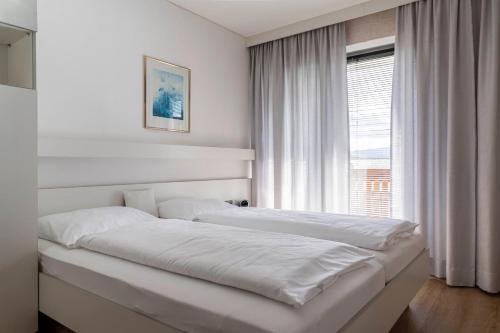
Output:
[[195, 305], [395, 259], [287, 268], [67, 228], [367, 232]]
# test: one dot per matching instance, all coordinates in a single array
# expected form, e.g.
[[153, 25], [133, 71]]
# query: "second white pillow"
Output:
[[141, 199]]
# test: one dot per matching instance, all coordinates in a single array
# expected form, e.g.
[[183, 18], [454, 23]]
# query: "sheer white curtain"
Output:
[[299, 97], [445, 134]]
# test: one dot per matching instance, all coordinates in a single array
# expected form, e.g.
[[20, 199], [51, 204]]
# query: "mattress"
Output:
[[195, 305], [395, 259]]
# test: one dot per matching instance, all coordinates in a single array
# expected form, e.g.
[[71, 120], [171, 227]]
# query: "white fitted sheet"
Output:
[[195, 305], [395, 259]]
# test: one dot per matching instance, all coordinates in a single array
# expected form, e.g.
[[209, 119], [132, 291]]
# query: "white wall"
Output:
[[90, 85], [20, 63], [3, 64], [90, 71]]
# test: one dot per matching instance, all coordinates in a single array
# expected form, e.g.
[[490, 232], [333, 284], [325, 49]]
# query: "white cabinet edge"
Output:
[[76, 148]]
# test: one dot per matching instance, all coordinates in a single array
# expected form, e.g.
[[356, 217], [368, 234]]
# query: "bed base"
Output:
[[82, 311], [382, 312]]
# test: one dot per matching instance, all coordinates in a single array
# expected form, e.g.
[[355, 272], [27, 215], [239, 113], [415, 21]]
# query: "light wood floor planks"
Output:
[[438, 308]]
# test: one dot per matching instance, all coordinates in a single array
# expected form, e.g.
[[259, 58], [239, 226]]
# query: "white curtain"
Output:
[[446, 134], [299, 98]]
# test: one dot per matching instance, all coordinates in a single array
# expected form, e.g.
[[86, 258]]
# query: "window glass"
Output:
[[369, 79]]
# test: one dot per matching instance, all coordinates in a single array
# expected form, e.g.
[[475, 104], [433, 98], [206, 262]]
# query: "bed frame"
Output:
[[82, 311]]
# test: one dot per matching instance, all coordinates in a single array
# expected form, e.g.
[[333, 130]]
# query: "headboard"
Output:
[[65, 199]]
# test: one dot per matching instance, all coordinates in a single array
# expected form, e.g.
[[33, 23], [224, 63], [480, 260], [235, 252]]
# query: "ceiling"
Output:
[[252, 17]]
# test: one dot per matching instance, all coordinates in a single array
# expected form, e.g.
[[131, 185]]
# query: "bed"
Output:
[[175, 300], [91, 292], [394, 243]]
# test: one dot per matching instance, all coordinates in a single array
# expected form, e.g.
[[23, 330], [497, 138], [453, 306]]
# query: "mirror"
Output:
[[16, 57]]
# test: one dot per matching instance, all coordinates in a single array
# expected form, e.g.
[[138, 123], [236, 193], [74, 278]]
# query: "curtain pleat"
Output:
[[461, 152], [299, 98]]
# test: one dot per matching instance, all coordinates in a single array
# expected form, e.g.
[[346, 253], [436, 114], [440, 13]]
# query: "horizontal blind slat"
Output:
[[369, 85]]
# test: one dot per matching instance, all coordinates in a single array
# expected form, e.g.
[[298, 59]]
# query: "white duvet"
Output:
[[287, 268], [367, 232]]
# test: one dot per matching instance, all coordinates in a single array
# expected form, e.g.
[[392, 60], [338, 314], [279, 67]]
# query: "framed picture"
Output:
[[166, 95]]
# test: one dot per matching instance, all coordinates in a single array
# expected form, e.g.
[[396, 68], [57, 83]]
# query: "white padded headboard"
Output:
[[65, 199]]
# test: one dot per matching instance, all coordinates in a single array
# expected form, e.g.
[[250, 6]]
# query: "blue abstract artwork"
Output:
[[168, 100], [166, 96]]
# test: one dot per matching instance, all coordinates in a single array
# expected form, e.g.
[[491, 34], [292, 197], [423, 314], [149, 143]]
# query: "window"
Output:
[[369, 85]]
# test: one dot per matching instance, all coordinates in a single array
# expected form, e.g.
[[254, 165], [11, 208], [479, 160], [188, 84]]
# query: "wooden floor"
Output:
[[438, 308]]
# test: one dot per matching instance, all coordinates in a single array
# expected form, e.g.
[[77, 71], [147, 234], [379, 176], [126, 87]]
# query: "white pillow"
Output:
[[68, 228], [189, 208], [141, 199]]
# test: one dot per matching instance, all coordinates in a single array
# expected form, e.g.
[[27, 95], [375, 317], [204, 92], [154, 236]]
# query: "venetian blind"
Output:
[[369, 79]]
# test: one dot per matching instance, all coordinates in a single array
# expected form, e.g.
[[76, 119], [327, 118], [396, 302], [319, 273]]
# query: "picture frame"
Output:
[[167, 96]]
